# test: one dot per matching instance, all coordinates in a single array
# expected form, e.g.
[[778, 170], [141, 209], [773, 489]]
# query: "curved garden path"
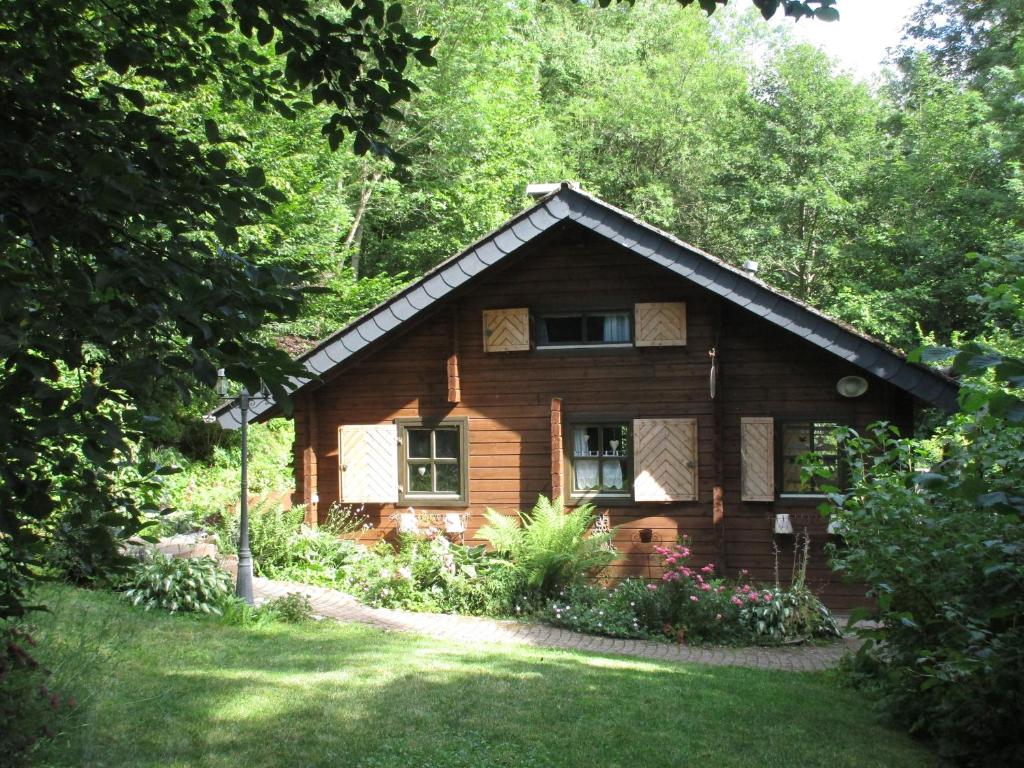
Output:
[[471, 629]]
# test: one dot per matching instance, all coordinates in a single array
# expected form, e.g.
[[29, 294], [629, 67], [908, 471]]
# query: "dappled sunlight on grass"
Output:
[[194, 692]]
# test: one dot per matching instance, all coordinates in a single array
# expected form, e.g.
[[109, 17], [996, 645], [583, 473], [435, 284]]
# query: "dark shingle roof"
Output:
[[569, 203]]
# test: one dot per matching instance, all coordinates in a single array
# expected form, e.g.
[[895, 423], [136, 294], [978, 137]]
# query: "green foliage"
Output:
[[200, 494], [552, 548], [815, 9], [436, 575], [292, 608], [283, 548], [942, 547], [113, 244], [28, 707], [693, 605], [178, 584], [791, 615]]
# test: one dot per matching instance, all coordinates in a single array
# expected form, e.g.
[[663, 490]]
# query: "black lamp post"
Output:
[[243, 584]]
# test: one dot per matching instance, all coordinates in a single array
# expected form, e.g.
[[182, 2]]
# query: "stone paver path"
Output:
[[470, 629]]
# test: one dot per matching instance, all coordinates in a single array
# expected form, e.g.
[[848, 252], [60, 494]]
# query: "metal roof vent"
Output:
[[750, 267]]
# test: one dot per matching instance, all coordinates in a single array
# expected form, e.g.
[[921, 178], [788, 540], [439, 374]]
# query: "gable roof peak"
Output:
[[568, 204]]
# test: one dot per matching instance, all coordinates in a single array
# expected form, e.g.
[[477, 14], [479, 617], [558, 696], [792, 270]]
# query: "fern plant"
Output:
[[552, 547]]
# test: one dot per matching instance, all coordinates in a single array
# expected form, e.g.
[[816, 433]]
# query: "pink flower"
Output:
[[705, 587], [752, 597], [746, 587], [652, 587], [694, 598], [707, 568], [767, 597], [737, 601], [744, 572]]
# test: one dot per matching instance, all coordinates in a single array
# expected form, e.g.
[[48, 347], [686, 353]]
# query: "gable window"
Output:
[[433, 457], [572, 329], [800, 437], [602, 454]]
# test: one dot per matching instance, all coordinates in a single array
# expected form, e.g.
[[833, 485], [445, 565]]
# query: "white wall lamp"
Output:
[[852, 386]]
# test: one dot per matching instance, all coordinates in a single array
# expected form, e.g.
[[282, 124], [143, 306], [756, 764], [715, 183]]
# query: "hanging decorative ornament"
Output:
[[713, 378]]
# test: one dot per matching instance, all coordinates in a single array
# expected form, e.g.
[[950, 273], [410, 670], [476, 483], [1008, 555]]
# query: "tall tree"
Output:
[[121, 263]]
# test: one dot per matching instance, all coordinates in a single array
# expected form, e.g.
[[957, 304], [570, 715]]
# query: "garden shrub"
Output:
[[552, 548], [292, 608], [692, 605], [283, 548], [935, 529], [178, 584], [28, 707], [432, 574]]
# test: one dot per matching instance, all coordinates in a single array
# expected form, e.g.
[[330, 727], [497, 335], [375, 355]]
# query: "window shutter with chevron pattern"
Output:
[[506, 330], [368, 461], [757, 458], [661, 324], [665, 459]]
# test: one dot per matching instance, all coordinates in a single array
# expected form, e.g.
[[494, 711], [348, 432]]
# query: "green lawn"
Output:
[[159, 690]]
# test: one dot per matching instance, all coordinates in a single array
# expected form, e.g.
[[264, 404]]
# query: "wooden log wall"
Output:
[[510, 401]]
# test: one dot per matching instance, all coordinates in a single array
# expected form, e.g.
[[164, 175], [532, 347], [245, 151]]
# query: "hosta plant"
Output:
[[178, 584]]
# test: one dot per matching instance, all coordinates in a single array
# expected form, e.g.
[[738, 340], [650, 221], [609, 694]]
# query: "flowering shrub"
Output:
[[595, 610], [693, 604]]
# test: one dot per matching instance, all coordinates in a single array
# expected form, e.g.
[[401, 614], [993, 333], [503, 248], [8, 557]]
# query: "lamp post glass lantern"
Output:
[[243, 583]]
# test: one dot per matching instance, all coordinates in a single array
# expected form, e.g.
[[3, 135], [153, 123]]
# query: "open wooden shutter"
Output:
[[661, 324], [368, 457], [757, 458], [665, 459], [506, 330]]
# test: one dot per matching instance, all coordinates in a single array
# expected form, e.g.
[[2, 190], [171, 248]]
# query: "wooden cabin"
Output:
[[579, 352]]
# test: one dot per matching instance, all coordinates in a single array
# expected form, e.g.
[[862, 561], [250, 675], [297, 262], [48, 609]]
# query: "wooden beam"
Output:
[[311, 497], [454, 385], [717, 443], [557, 461]]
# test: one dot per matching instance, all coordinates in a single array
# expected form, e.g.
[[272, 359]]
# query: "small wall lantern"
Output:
[[783, 524]]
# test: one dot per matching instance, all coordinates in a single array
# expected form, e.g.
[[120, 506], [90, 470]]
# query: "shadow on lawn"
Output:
[[196, 693]]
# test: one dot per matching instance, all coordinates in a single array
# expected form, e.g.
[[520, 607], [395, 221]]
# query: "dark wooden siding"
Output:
[[764, 371]]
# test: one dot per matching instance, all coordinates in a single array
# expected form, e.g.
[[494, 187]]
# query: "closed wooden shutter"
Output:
[[661, 324], [506, 330], [665, 459], [757, 458], [368, 458]]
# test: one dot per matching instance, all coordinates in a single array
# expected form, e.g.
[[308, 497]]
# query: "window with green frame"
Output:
[[433, 460], [800, 437], [601, 454]]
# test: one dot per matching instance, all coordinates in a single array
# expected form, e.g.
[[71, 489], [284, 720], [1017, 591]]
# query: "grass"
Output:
[[170, 691]]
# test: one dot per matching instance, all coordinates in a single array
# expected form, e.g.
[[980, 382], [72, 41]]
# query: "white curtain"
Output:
[[580, 446], [587, 474], [613, 474], [616, 328]]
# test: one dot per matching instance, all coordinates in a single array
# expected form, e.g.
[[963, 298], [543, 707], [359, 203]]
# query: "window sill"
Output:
[[577, 347], [803, 496], [602, 497], [434, 501]]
